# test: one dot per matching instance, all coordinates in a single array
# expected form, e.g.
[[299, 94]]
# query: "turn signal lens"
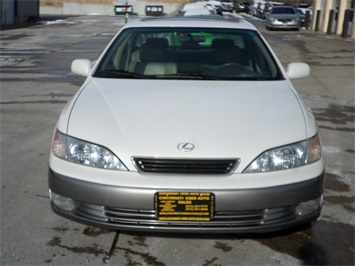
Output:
[[314, 149]]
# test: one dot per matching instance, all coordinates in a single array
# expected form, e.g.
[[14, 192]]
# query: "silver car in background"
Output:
[[283, 17]]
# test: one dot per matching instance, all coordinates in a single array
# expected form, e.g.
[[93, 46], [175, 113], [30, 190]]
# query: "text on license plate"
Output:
[[184, 206]]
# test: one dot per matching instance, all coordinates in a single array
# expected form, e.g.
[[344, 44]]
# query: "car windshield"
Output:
[[282, 10], [188, 53]]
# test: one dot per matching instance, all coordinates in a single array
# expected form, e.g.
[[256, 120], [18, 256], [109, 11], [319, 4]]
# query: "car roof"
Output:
[[193, 22], [216, 3], [283, 6]]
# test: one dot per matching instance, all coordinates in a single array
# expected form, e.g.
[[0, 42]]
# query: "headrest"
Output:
[[191, 42], [218, 43], [153, 50], [226, 52]]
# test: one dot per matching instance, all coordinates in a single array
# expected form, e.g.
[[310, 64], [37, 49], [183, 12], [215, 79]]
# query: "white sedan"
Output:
[[187, 125]]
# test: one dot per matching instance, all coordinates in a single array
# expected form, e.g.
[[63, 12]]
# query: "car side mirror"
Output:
[[81, 67], [298, 70]]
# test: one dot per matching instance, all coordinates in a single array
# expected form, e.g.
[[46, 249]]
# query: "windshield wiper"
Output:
[[188, 76], [113, 73]]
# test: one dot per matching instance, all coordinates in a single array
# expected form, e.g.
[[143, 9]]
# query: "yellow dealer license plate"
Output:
[[184, 206]]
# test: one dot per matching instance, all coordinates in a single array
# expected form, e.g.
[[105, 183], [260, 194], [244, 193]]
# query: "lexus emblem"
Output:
[[186, 146]]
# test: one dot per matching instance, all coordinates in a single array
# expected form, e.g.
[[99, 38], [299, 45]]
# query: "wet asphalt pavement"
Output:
[[36, 82]]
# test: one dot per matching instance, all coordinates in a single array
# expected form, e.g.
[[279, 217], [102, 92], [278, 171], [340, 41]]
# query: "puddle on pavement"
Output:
[[60, 229], [223, 246], [210, 262], [35, 102], [339, 116], [63, 228], [314, 246], [346, 202], [326, 243], [88, 231], [95, 249], [139, 241], [93, 232], [14, 37], [148, 259], [334, 183]]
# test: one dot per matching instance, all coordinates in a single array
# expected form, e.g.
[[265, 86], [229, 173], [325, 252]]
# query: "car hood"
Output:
[[221, 119]]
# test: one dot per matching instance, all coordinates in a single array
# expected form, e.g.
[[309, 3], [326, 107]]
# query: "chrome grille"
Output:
[[285, 20], [146, 218], [185, 166]]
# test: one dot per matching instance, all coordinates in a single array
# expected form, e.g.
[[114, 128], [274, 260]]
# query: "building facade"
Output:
[[329, 16], [105, 7], [334, 17], [18, 11]]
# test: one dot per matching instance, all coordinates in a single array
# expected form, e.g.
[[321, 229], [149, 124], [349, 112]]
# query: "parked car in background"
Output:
[[217, 5], [253, 9], [227, 5], [303, 5], [267, 7], [283, 17], [187, 124], [266, 10], [197, 12], [201, 8], [304, 12], [199, 5], [302, 17], [243, 7], [260, 9]]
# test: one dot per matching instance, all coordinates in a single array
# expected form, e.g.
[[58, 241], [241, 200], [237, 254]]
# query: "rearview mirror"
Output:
[[81, 67], [193, 39], [298, 70]]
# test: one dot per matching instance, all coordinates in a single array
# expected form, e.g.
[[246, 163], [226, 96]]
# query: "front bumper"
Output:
[[284, 25], [236, 210]]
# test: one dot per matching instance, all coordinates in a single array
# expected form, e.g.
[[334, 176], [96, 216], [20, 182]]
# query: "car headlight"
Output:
[[286, 157], [85, 153]]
